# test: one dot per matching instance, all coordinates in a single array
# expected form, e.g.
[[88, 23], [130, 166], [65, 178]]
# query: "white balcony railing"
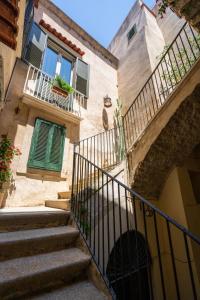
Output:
[[39, 85]]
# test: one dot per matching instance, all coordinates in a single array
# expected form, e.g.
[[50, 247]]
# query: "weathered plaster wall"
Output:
[[137, 58], [9, 55], [103, 76], [33, 187], [169, 24]]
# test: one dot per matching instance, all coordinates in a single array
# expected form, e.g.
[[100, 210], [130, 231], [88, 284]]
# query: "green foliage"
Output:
[[64, 85], [178, 66], [7, 154], [162, 7], [119, 125]]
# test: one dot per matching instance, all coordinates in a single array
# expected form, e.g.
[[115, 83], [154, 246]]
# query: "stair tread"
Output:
[[31, 214], [84, 290], [22, 235], [19, 268]]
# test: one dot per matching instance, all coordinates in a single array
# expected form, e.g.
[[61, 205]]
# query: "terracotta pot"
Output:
[[3, 191], [59, 91], [1, 197]]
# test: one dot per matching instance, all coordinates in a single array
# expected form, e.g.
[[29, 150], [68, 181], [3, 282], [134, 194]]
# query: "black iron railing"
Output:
[[175, 63], [105, 149], [141, 252]]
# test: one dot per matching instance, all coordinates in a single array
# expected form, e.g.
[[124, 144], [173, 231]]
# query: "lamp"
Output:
[[107, 101]]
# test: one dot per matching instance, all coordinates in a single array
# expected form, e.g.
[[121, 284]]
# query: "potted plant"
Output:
[[61, 87], [7, 154]]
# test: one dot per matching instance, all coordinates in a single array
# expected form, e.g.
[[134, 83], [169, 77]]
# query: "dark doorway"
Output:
[[128, 267]]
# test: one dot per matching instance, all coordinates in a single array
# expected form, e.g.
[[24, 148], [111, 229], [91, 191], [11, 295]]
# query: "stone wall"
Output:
[[33, 187], [8, 55], [173, 144], [137, 58], [189, 9]]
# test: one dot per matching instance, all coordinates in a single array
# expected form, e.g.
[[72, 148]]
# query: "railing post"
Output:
[[73, 175]]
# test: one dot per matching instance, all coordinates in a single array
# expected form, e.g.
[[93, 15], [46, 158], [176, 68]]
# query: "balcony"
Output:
[[38, 93]]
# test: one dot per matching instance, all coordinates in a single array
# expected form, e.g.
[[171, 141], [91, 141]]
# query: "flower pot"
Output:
[[56, 89], [3, 193]]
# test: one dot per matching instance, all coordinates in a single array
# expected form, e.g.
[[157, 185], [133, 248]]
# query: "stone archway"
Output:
[[173, 145], [128, 265]]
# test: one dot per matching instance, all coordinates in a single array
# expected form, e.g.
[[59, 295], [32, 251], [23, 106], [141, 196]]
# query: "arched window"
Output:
[[128, 267]]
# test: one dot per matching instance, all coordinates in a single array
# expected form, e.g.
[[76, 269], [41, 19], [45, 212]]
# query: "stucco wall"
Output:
[[169, 24], [137, 58], [103, 76], [33, 187]]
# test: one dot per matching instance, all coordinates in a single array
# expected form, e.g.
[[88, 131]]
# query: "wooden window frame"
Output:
[[46, 164]]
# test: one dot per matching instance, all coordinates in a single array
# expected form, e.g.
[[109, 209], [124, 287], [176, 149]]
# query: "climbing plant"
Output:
[[118, 121], [162, 7], [175, 69]]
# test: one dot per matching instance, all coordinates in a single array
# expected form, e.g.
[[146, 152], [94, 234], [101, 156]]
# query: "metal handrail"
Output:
[[94, 208], [173, 66]]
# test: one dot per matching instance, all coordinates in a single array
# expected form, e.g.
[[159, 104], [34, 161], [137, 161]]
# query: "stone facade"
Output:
[[189, 9], [33, 187]]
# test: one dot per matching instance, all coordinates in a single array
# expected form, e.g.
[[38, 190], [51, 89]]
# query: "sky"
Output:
[[100, 18]]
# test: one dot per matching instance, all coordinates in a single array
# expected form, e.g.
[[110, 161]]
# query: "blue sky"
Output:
[[100, 18]]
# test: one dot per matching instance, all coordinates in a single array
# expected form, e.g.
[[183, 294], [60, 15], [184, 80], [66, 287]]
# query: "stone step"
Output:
[[64, 195], [83, 290], [12, 221], [64, 204], [35, 241], [26, 275]]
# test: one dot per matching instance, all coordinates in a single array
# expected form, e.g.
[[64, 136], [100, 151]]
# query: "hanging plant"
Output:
[[62, 87]]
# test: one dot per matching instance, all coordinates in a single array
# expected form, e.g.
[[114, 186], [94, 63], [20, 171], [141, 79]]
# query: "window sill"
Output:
[[43, 175]]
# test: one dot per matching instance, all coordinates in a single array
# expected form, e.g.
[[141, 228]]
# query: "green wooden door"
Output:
[[47, 146]]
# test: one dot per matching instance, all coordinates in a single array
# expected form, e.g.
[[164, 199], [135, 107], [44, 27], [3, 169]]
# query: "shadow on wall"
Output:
[[105, 119], [1, 82], [17, 123]]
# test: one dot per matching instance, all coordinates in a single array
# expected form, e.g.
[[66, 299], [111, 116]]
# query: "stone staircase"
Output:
[[40, 257], [63, 201]]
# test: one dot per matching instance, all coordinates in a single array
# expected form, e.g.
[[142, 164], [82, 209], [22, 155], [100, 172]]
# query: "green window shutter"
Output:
[[55, 154], [47, 146], [35, 46], [82, 77]]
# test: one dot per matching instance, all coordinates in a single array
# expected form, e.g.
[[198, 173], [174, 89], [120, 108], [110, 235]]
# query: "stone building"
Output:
[[12, 24], [53, 43], [133, 179]]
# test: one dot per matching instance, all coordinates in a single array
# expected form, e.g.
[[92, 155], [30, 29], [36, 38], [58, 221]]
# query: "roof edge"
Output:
[[80, 31]]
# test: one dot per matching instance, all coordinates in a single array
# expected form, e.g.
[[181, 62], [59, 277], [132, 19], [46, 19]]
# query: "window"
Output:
[[132, 32], [50, 62], [35, 45], [82, 77], [55, 63], [47, 146]]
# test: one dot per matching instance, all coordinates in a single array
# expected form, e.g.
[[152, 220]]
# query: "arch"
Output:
[[170, 148], [1, 80], [128, 265]]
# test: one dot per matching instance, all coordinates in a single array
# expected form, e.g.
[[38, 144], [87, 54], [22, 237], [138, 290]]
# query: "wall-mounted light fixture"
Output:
[[107, 101]]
